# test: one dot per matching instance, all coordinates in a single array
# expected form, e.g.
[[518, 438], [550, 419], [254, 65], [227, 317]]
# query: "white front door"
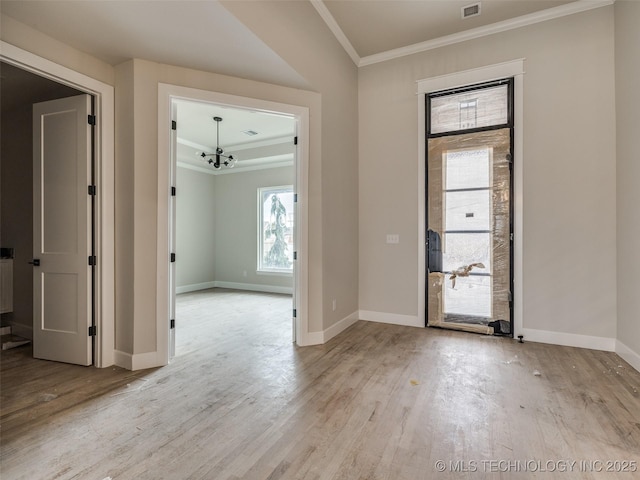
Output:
[[62, 230]]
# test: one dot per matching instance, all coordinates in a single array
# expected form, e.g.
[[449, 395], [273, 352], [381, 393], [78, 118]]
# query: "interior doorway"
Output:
[[233, 213], [103, 97], [44, 228], [469, 208]]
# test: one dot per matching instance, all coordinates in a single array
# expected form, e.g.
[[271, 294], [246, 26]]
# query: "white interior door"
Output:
[[62, 230]]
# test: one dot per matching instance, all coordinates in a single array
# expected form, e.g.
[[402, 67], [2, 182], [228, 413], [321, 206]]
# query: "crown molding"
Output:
[[336, 30], [498, 27]]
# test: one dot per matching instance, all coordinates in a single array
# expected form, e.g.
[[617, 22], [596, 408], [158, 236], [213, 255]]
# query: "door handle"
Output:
[[35, 262]]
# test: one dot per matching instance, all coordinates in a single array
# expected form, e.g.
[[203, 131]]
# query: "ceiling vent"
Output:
[[471, 10]]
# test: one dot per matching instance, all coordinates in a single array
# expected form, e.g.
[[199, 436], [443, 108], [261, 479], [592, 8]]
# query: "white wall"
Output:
[[569, 171], [216, 229], [195, 228], [627, 21]]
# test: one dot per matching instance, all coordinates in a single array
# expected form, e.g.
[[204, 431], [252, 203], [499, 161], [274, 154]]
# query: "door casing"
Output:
[[166, 93], [104, 179], [515, 69]]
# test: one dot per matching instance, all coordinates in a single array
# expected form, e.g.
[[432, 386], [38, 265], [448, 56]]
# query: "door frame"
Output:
[[168, 92], [515, 69], [103, 95]]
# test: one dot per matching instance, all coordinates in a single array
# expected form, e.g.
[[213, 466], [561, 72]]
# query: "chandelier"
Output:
[[220, 158]]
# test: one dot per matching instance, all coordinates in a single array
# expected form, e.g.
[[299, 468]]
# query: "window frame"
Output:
[[260, 268]]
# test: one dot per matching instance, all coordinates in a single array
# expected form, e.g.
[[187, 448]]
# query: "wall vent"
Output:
[[471, 10]]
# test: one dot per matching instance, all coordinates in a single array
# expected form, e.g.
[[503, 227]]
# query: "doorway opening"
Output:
[[60, 82], [233, 217], [469, 208]]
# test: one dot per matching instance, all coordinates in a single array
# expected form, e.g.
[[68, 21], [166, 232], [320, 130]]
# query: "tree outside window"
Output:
[[276, 229]]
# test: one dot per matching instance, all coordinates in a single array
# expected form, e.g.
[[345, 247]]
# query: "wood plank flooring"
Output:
[[240, 401]]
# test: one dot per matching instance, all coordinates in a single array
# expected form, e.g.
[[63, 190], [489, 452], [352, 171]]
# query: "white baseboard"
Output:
[[568, 339], [628, 355], [195, 287], [392, 318], [138, 361], [312, 338], [340, 326], [318, 338], [253, 287]]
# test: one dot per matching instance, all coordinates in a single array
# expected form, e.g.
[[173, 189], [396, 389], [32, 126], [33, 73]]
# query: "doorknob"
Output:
[[35, 262]]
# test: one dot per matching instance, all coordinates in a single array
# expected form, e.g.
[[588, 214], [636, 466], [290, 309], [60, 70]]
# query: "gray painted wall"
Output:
[[216, 236], [195, 227], [627, 19], [569, 164]]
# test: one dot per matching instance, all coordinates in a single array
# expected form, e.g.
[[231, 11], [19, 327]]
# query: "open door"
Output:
[[62, 213], [469, 209]]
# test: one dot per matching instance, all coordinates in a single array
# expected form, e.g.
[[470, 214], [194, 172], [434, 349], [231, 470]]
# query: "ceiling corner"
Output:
[[324, 13]]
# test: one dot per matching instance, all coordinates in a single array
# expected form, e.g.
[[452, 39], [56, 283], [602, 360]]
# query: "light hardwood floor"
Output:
[[240, 401]]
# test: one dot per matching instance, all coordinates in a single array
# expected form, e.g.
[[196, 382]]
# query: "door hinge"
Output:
[[172, 323], [173, 191], [295, 313], [510, 296], [92, 260], [174, 125], [295, 255], [295, 198], [91, 119], [511, 237], [92, 189], [172, 257], [295, 140], [93, 331]]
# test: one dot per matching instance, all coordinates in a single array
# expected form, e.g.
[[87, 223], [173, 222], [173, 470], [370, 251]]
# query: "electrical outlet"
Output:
[[244, 273], [393, 238]]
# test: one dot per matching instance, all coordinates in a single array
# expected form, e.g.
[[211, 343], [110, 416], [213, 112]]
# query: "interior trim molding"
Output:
[[568, 339], [498, 27], [195, 287], [515, 69], [560, 11], [164, 291], [340, 326], [324, 12], [628, 355], [138, 361], [104, 95], [463, 78], [254, 287], [392, 318], [319, 338]]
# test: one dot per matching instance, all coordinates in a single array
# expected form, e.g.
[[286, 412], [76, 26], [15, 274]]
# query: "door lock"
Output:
[[35, 262]]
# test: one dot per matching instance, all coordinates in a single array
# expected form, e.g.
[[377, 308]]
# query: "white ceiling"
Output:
[[196, 130], [194, 34], [378, 26]]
